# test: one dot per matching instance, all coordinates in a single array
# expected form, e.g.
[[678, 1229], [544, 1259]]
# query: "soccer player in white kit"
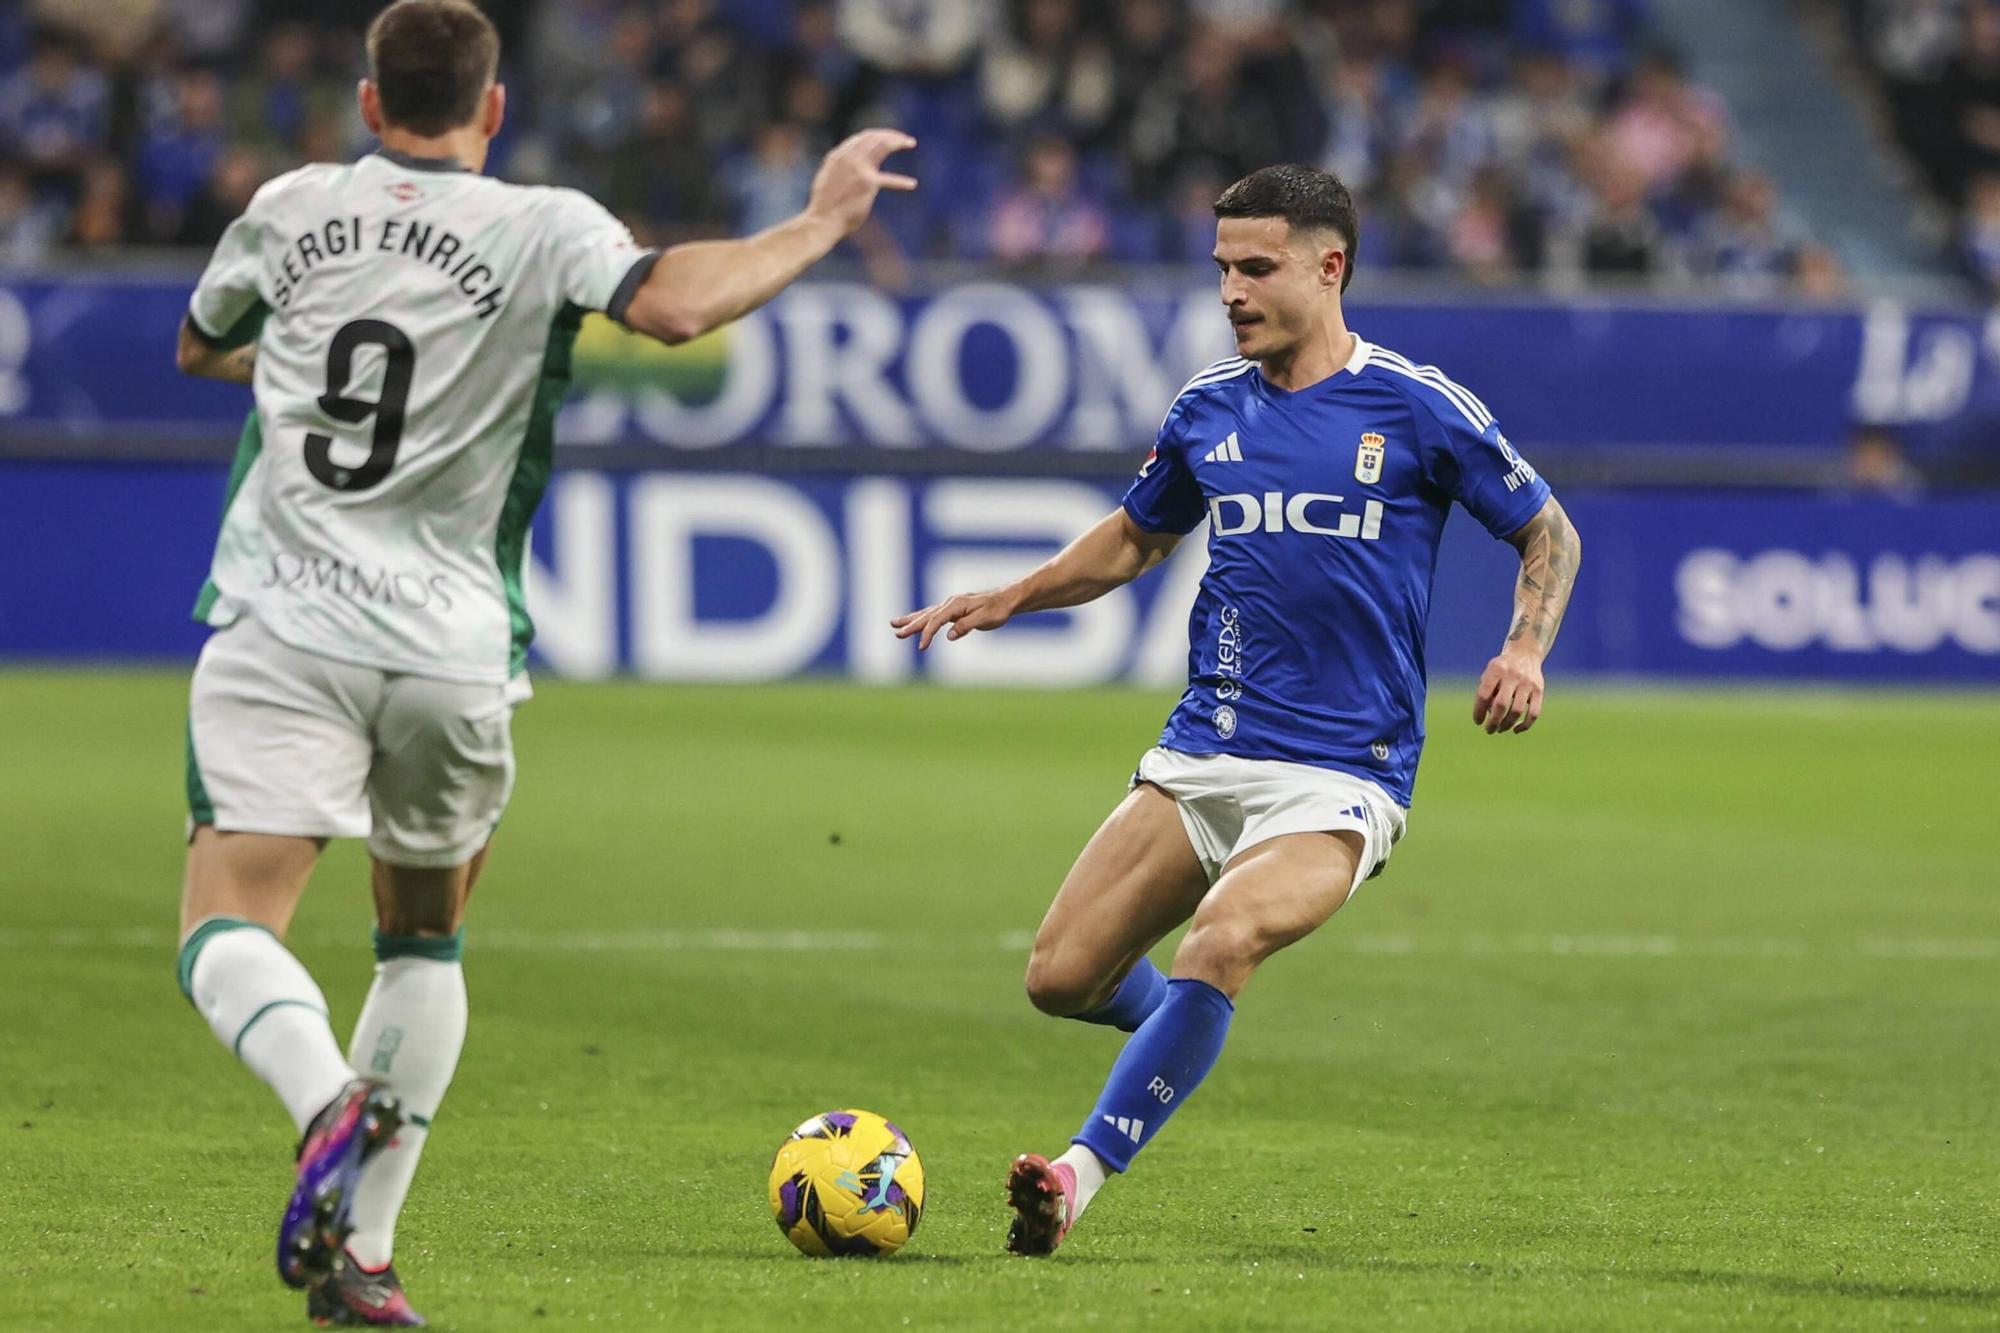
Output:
[[406, 323]]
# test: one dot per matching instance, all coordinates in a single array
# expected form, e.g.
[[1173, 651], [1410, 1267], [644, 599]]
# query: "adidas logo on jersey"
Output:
[[1229, 451], [1131, 1129]]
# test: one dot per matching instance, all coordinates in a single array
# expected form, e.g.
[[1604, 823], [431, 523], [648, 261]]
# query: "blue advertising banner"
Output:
[[727, 576], [991, 368]]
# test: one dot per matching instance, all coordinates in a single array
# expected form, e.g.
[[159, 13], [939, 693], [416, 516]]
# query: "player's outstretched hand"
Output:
[[964, 612], [851, 175], [1510, 694]]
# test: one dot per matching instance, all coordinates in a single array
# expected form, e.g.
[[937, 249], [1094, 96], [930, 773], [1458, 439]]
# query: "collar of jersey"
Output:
[[415, 163], [1352, 367]]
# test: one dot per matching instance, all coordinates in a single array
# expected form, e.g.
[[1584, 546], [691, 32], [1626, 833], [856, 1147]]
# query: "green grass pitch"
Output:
[[1677, 1013]]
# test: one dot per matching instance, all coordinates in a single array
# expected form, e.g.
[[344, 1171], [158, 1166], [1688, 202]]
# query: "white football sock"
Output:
[[409, 1035], [1090, 1174], [263, 1005]]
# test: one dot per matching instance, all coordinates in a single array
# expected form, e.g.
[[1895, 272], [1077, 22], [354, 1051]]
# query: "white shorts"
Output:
[[1229, 804], [289, 742]]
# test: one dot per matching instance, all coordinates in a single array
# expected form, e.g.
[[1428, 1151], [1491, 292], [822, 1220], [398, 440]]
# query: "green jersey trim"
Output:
[[248, 445], [247, 328], [531, 477], [200, 808]]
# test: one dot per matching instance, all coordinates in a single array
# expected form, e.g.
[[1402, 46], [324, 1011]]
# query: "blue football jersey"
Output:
[[1325, 507]]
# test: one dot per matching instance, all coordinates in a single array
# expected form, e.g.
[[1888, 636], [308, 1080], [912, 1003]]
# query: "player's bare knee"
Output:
[[1057, 986], [1223, 951]]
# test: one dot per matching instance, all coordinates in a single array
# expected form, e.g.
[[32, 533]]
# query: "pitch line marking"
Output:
[[736, 940]]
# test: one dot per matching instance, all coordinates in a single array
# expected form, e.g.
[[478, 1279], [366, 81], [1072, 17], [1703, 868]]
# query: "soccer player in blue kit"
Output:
[[1325, 467]]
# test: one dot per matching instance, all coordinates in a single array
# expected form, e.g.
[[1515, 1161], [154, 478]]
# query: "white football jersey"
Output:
[[413, 323]]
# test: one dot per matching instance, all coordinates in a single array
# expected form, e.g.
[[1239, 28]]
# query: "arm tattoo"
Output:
[[239, 365], [1550, 553]]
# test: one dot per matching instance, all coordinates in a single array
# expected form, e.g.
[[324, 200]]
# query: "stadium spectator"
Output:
[[1044, 71], [206, 31], [1145, 37], [566, 49], [1620, 237], [1970, 96], [776, 180], [918, 39], [1471, 131], [28, 226], [1820, 275], [1909, 43], [274, 105], [1597, 37], [179, 150], [1666, 124], [1875, 464], [1539, 122], [816, 51], [53, 113], [1979, 234], [103, 217], [1450, 128], [663, 176], [1200, 118], [222, 197], [1361, 118], [1747, 245], [707, 58], [1046, 219]]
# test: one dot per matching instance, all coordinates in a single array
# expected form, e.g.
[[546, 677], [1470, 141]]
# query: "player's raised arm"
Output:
[[705, 284], [1110, 555], [1509, 697]]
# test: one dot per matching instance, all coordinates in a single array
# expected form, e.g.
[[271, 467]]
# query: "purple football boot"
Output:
[[355, 1296], [341, 1141]]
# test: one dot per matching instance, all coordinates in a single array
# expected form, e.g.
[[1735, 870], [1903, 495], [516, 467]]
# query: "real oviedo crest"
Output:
[[1368, 459]]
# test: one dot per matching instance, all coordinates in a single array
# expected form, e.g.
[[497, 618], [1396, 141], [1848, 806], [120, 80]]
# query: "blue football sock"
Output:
[[1143, 990], [1160, 1067]]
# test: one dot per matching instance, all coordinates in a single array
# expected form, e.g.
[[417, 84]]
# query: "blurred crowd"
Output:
[[1488, 139], [1938, 62]]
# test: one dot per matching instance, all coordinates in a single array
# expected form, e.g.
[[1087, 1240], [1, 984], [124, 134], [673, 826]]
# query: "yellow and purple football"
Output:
[[847, 1182]]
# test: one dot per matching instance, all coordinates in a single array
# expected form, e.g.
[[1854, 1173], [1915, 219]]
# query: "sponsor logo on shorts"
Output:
[[309, 574], [1380, 749], [1225, 722]]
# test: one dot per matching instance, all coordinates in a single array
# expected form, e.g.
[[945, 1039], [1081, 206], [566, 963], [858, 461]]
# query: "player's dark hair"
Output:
[[1305, 197], [430, 61]]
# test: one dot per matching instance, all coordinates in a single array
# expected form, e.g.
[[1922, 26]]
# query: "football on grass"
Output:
[[847, 1183]]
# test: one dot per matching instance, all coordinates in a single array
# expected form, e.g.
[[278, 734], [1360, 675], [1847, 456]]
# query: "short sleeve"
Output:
[[597, 263], [227, 307], [1484, 473], [1165, 497]]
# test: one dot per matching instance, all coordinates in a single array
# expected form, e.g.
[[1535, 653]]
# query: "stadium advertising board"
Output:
[[989, 369], [727, 576]]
